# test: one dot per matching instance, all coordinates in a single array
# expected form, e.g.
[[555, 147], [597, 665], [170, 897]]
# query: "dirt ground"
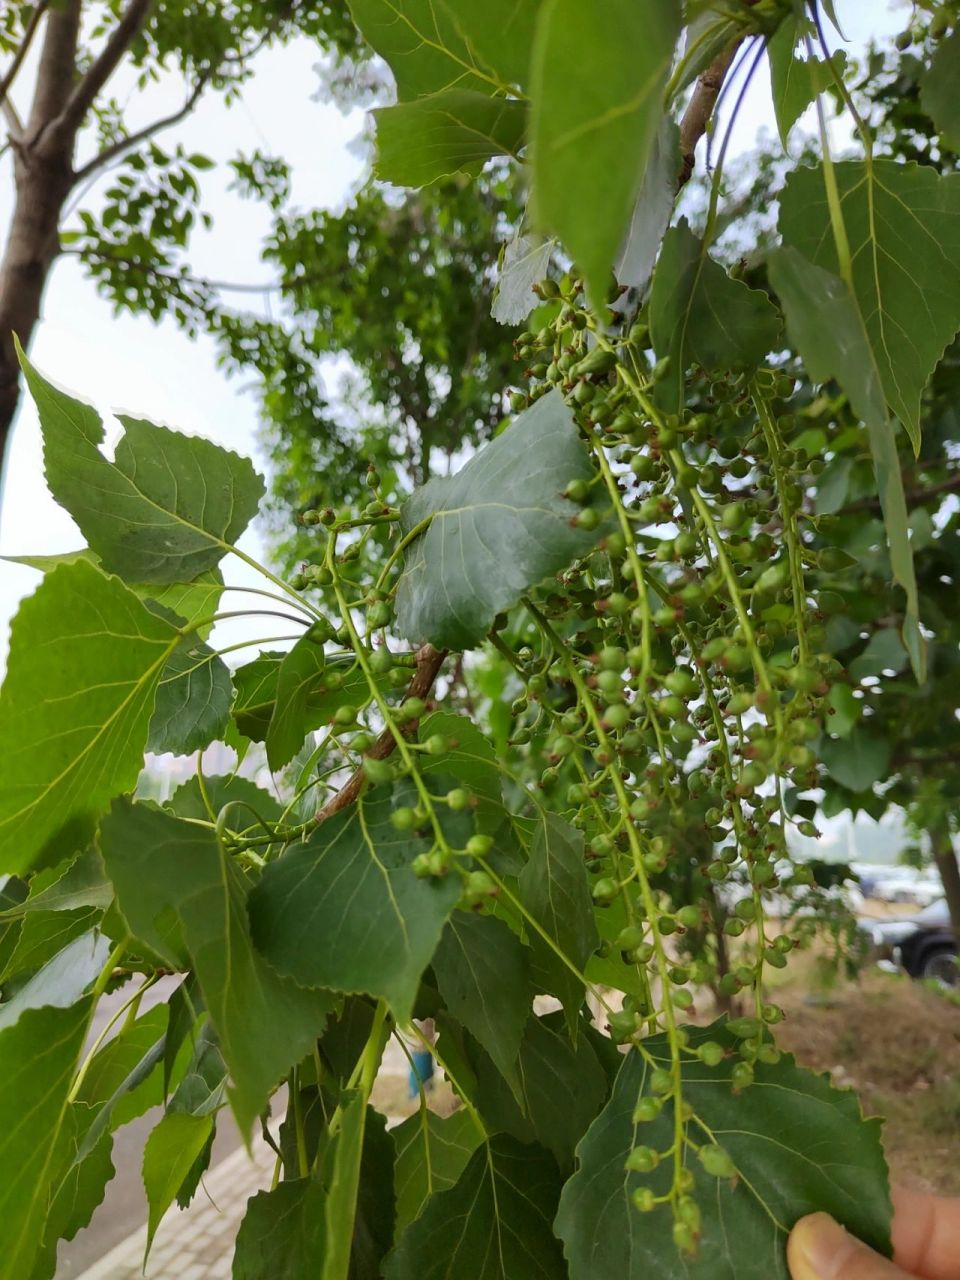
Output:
[[898, 1044]]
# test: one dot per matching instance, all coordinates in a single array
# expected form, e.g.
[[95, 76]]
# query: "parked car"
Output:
[[922, 945]]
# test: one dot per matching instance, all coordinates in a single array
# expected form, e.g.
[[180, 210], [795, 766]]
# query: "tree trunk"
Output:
[[947, 865], [43, 184], [43, 169]]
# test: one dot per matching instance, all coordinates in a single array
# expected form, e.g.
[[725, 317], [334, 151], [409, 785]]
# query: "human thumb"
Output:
[[820, 1249]]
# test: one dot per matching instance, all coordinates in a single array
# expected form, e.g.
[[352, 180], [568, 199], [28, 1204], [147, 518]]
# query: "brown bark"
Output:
[[43, 150], [43, 168], [429, 662], [946, 860]]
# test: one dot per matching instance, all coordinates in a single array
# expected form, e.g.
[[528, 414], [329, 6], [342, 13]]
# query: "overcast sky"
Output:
[[155, 371]]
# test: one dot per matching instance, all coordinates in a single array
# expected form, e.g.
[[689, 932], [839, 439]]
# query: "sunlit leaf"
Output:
[[843, 350], [598, 74], [903, 225], [456, 131], [166, 509], [38, 1055], [72, 739]]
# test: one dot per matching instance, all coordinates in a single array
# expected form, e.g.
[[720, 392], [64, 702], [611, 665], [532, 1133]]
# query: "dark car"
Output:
[[923, 945]]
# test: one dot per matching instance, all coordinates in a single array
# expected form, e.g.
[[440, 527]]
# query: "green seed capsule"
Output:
[[642, 1160], [717, 1162], [403, 819]]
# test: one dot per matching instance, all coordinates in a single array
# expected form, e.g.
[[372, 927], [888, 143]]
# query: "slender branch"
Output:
[[700, 108], [14, 123], [913, 496], [8, 79], [429, 662], [141, 135], [174, 277], [103, 66]]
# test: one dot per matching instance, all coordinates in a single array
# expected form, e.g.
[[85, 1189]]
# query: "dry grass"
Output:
[[898, 1044]]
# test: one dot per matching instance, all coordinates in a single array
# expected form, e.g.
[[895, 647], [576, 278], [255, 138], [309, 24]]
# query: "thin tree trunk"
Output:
[[32, 246], [947, 865], [43, 169]]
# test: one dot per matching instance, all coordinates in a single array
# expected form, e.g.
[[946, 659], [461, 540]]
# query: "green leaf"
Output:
[[187, 800], [903, 225], [652, 210], [554, 889], [193, 700], [77, 1188], [799, 1146], [496, 528], [843, 709], [524, 263], [833, 483], [795, 82], [43, 935], [493, 1224], [883, 652], [481, 970], [283, 1233], [61, 981], [166, 869], [432, 1152], [38, 1055], [343, 1181], [456, 131], [202, 1090], [499, 34], [112, 1064], [562, 1087], [83, 884], [300, 672], [168, 1157], [597, 79], [422, 46], [256, 693], [857, 761], [843, 351], [345, 911], [938, 89], [72, 733], [700, 315], [165, 510]]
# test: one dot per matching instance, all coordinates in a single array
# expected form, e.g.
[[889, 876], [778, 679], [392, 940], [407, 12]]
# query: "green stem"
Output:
[[650, 905]]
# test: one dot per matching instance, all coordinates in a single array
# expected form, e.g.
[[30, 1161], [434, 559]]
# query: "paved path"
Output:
[[196, 1244]]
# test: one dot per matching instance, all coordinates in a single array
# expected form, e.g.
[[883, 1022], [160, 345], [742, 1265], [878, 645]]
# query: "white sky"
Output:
[[155, 371]]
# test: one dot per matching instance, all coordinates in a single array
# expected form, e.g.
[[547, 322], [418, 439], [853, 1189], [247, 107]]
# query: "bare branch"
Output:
[[174, 277], [14, 123], [700, 108], [429, 662], [103, 66], [11, 75], [141, 135]]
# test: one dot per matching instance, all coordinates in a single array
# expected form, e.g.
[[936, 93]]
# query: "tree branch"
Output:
[[8, 79], [429, 662], [103, 66], [700, 108], [141, 135], [913, 496]]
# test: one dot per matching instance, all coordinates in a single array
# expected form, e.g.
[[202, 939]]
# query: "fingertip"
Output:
[[815, 1245]]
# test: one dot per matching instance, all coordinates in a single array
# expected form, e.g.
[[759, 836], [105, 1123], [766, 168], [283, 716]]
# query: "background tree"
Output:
[[72, 130]]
